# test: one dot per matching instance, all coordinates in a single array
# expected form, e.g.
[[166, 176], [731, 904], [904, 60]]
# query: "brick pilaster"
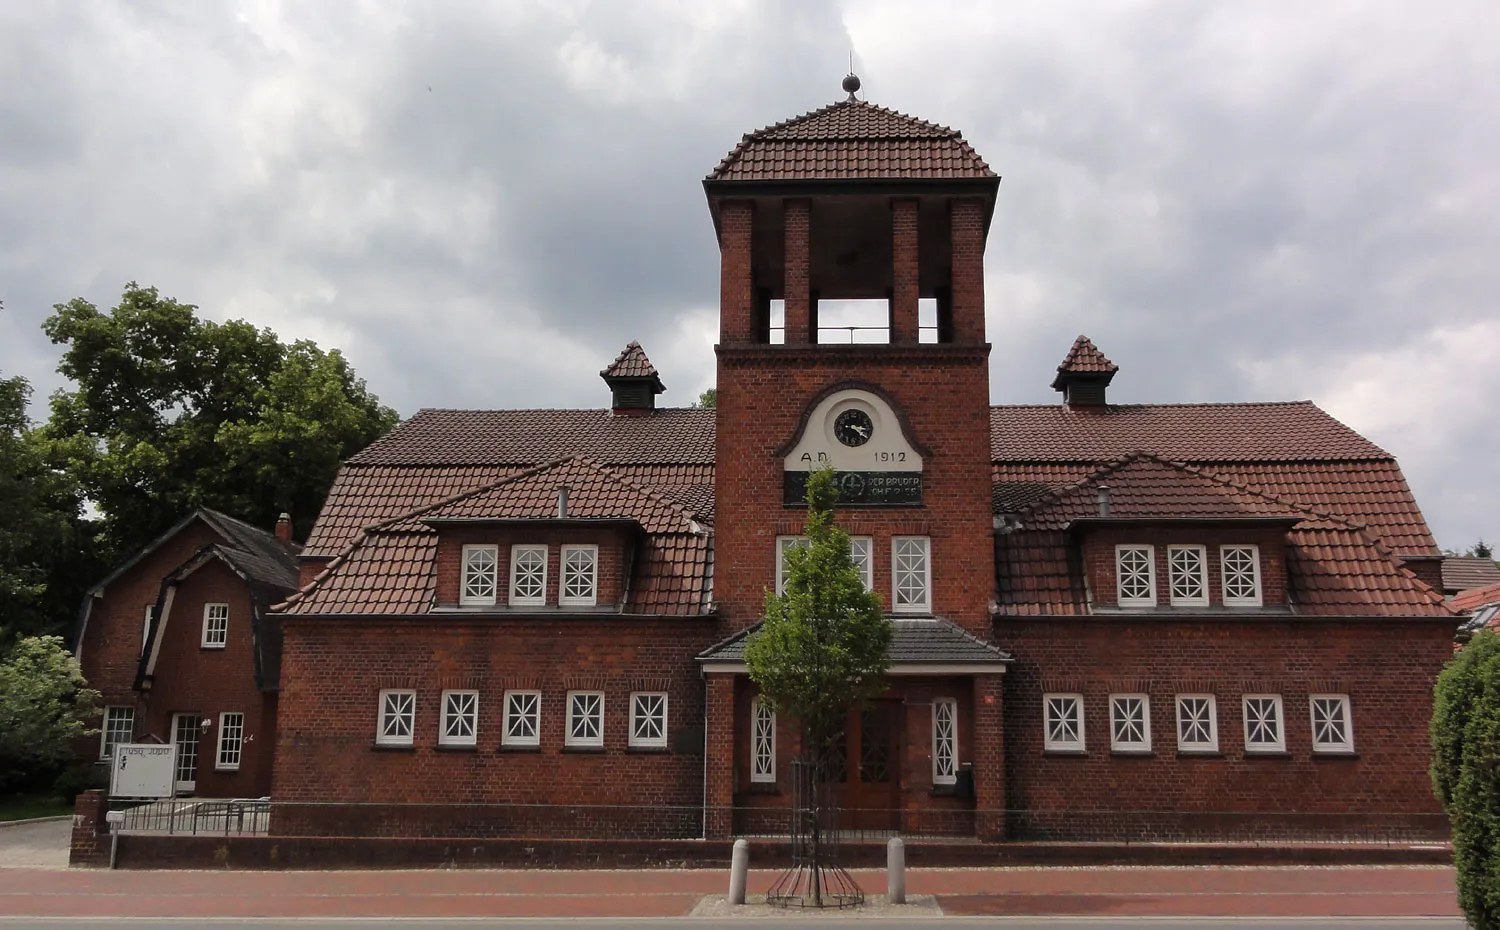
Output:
[[736, 296], [966, 217], [719, 719], [90, 844], [904, 271], [989, 757], [797, 244]]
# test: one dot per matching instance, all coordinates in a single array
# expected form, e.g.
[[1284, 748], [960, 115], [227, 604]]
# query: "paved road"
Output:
[[689, 923], [35, 845]]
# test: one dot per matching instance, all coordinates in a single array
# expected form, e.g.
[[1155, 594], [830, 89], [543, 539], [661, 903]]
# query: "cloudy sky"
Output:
[[480, 201]]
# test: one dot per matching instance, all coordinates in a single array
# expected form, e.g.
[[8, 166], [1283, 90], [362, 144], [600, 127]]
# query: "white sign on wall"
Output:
[[143, 770]]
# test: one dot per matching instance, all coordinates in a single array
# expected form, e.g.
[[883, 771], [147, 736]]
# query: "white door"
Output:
[[186, 728]]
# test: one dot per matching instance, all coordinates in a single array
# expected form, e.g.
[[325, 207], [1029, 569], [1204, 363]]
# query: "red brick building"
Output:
[[1108, 618], [181, 644]]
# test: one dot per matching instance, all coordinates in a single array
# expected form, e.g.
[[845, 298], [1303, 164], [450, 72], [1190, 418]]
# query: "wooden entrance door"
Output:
[[870, 782]]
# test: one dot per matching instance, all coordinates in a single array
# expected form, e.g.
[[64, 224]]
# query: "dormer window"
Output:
[[1187, 575], [1135, 575], [479, 576], [1241, 570], [580, 576], [528, 575]]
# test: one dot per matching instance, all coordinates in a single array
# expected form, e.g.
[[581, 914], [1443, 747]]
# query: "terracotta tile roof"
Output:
[[1084, 359], [1461, 573], [851, 139], [1474, 598], [631, 363], [383, 572], [1335, 570], [913, 641]]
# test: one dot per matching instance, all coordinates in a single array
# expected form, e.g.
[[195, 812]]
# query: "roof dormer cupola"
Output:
[[1084, 375], [633, 382]]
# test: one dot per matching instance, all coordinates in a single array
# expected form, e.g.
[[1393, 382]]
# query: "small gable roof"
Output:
[[633, 363], [1084, 358], [913, 642]]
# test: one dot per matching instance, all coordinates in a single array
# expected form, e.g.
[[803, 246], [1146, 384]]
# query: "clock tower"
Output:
[[858, 203]]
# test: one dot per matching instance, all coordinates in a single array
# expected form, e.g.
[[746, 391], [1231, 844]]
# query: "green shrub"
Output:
[[1466, 772]]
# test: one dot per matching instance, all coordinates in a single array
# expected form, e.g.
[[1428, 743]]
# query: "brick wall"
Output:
[[615, 548], [1386, 667], [89, 844]]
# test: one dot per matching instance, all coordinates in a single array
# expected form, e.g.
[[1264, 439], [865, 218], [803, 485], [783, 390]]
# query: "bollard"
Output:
[[115, 819], [739, 868], [895, 871]]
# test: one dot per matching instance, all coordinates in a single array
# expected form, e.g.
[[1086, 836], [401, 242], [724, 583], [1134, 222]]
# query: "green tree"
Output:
[[171, 412], [1466, 772], [709, 399], [824, 646], [43, 705]]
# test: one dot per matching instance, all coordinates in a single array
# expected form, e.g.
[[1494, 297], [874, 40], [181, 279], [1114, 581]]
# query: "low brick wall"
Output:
[[90, 841]]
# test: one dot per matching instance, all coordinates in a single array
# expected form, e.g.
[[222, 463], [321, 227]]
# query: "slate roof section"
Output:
[[1084, 358], [849, 140], [935, 642], [1460, 573]]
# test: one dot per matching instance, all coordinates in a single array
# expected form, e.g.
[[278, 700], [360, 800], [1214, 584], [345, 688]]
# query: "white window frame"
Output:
[[925, 606], [1347, 744], [516, 711], [1120, 597], [1055, 744], [1130, 745], [215, 626], [458, 703], [865, 562], [1212, 744], [1279, 744], [1259, 598], [783, 543], [392, 707], [233, 748], [762, 736], [106, 745], [945, 744], [1201, 576], [647, 742], [515, 553], [592, 598], [489, 579], [146, 627], [570, 738]]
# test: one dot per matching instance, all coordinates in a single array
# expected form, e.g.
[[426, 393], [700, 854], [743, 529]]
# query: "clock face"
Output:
[[853, 427]]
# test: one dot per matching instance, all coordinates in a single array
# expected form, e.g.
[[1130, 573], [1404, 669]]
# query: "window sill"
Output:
[[219, 648], [649, 750], [1132, 753], [1199, 754], [1068, 753], [944, 791], [455, 748], [1334, 754], [504, 748], [226, 770], [393, 747], [1267, 754], [584, 750], [763, 787]]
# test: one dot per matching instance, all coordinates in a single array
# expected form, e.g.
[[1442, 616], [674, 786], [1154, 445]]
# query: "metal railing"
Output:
[[836, 335], [196, 816]]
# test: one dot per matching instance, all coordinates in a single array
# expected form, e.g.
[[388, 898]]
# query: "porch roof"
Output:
[[926, 643]]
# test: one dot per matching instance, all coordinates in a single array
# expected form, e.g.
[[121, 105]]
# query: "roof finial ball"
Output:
[[851, 84]]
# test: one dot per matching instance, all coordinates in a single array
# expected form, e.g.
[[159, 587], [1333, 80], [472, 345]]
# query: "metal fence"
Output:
[[195, 816]]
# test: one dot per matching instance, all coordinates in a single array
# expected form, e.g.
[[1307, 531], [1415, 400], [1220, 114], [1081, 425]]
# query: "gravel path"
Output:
[[35, 845]]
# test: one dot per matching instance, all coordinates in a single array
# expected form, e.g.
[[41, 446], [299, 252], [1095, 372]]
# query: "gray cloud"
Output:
[[481, 202]]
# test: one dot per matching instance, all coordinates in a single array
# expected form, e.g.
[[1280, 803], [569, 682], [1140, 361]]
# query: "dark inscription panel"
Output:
[[903, 488]]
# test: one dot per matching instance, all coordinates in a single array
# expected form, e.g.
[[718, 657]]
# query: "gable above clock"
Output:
[[860, 434]]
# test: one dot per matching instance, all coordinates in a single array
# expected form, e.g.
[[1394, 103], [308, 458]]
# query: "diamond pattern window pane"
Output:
[[528, 574], [783, 544], [1330, 722], [479, 584], [944, 742], [215, 624], [1262, 723], [460, 717], [398, 711], [231, 740], [1128, 723], [585, 718], [1064, 721], [1196, 723], [762, 742], [1187, 570], [1133, 565], [648, 720], [523, 713], [580, 569], [909, 564], [1241, 574], [862, 552]]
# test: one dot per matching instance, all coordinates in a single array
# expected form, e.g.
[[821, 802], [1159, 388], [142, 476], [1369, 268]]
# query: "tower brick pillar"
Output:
[[966, 217], [797, 245], [989, 757], [718, 814], [736, 294], [904, 284]]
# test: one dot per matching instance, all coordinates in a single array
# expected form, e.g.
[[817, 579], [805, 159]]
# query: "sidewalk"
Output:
[[1208, 892]]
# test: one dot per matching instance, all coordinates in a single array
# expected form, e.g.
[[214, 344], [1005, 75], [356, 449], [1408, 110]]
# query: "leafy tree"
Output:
[[1482, 550], [1466, 772], [43, 705], [709, 399], [172, 412], [824, 646]]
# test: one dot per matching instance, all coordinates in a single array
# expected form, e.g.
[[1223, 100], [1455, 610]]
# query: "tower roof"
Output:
[[852, 139], [631, 363], [1084, 359]]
